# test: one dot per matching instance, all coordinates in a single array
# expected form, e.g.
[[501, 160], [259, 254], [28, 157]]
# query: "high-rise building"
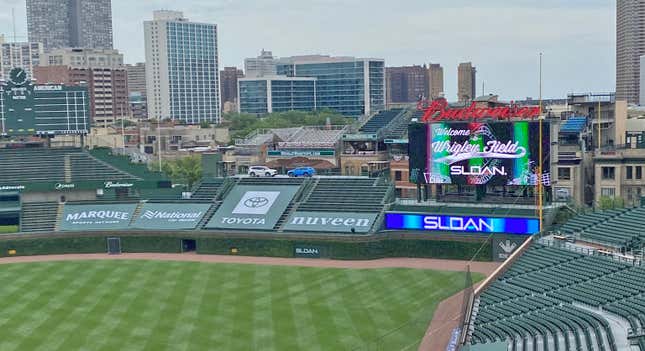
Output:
[[182, 75], [267, 94], [70, 23], [406, 84], [228, 83], [466, 82], [348, 85], [630, 45], [83, 58], [23, 55], [137, 90], [103, 72], [641, 100], [435, 80], [263, 65]]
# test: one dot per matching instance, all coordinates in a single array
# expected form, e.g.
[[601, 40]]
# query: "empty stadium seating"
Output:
[[574, 124], [556, 299], [345, 194], [617, 228], [207, 190], [39, 216], [379, 121], [55, 165]]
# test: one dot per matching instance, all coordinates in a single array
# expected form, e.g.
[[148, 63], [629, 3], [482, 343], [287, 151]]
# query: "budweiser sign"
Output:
[[439, 110]]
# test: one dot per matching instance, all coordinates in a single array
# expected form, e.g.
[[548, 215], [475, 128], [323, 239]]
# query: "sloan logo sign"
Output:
[[470, 224], [307, 251], [256, 202]]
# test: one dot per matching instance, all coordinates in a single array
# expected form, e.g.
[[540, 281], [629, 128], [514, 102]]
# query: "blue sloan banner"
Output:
[[468, 224]]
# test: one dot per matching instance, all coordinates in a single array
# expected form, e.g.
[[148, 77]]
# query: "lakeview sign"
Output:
[[337, 222], [253, 207], [170, 216], [96, 217], [467, 224], [438, 110]]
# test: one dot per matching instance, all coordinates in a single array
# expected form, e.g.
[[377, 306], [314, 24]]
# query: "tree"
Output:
[[186, 170], [607, 202]]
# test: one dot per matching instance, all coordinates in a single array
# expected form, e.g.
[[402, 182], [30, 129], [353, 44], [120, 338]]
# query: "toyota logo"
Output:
[[256, 202]]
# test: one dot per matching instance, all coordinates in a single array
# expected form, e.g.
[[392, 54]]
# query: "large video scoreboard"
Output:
[[476, 153], [28, 109]]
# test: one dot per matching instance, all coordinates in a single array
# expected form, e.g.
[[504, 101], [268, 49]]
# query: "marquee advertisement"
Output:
[[96, 217], [466, 224], [495, 153]]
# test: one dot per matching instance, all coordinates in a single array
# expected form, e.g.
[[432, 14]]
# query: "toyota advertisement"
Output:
[[496, 153], [253, 207]]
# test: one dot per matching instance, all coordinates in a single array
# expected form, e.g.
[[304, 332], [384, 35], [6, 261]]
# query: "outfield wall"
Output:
[[346, 248]]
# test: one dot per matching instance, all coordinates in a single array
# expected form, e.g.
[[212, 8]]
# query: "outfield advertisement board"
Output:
[[170, 216], [474, 153], [466, 224], [253, 207], [307, 251], [331, 222], [96, 217]]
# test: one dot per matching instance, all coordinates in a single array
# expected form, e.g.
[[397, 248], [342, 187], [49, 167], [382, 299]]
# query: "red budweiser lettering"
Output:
[[439, 110]]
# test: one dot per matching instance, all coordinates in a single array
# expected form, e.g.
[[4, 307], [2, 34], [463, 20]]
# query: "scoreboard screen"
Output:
[[28, 109], [471, 153]]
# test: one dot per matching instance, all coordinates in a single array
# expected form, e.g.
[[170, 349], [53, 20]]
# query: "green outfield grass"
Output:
[[152, 305], [4, 229]]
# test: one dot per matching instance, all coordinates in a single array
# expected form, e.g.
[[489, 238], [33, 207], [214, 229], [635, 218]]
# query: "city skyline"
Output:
[[577, 38]]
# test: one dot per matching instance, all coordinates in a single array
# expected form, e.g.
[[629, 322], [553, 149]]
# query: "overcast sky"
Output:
[[503, 38]]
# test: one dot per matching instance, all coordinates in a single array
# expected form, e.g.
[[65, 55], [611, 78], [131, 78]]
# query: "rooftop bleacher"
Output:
[[380, 120], [618, 228], [399, 127], [346, 194], [574, 124], [555, 299]]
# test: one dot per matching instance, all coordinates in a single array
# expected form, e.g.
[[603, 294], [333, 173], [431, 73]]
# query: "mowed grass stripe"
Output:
[[53, 311], [148, 305]]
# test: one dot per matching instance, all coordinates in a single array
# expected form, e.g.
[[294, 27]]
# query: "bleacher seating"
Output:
[[558, 299], [207, 190], [400, 130], [346, 194], [38, 216], [619, 228], [86, 168], [55, 165], [574, 124], [379, 121]]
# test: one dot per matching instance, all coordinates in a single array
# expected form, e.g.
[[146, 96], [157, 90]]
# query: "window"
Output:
[[628, 172], [608, 172], [397, 175], [639, 172], [564, 173], [609, 192]]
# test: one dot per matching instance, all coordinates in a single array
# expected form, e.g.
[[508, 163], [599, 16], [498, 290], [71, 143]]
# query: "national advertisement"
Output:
[[170, 216]]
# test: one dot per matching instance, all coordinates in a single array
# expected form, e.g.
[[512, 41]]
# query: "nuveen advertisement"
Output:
[[253, 207]]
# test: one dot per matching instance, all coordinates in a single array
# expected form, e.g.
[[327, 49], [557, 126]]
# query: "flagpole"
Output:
[[539, 173]]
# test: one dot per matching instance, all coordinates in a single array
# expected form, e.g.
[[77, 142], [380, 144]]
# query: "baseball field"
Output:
[[159, 305]]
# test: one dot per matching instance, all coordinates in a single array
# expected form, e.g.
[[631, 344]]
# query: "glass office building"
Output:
[[350, 86], [263, 95], [182, 75]]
